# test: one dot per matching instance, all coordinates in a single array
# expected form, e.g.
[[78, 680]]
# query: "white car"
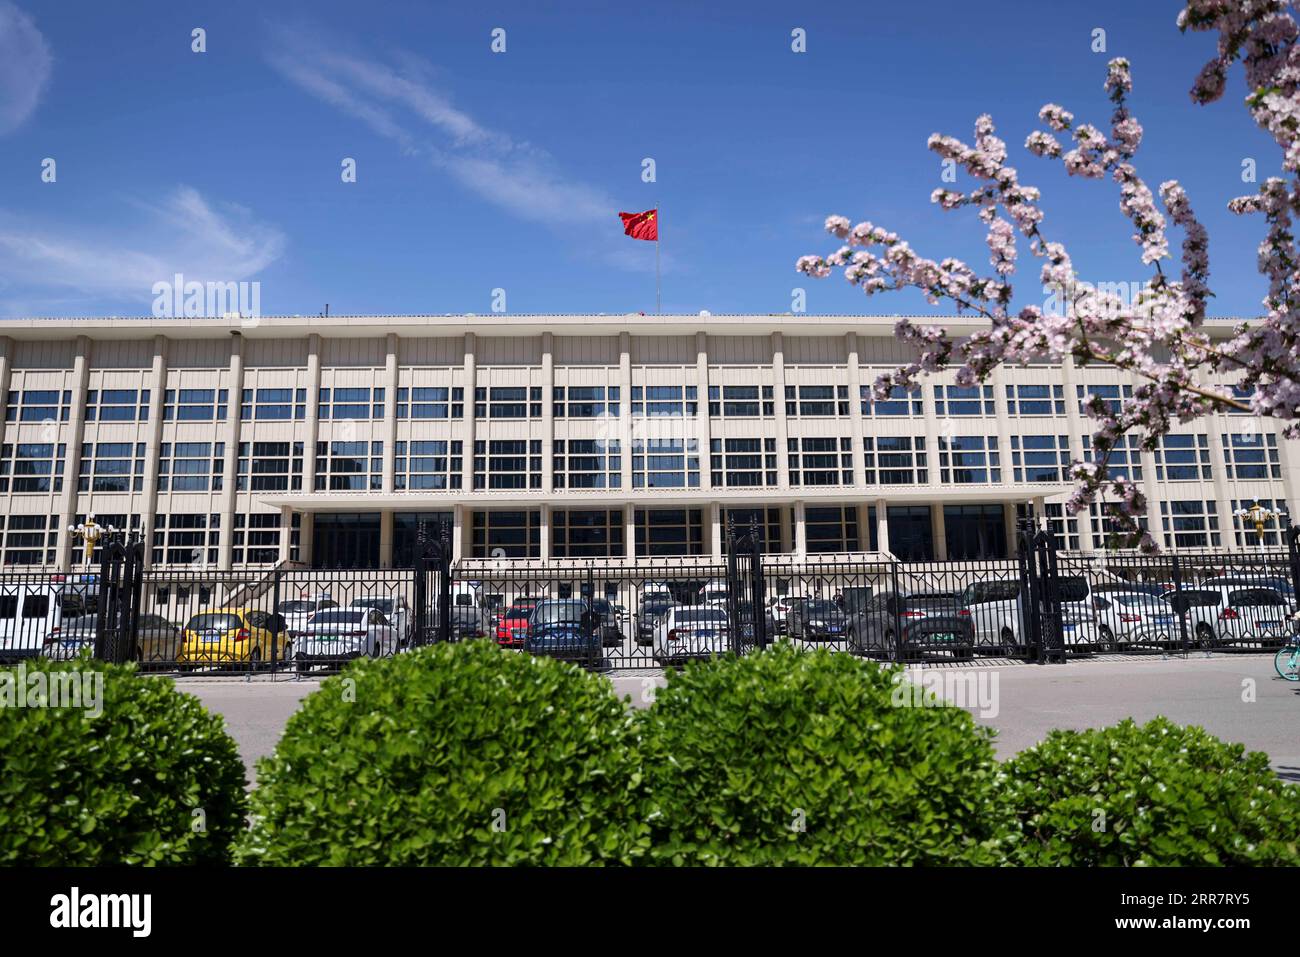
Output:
[[1232, 614], [335, 635], [297, 612], [395, 609], [995, 611], [780, 607], [1126, 618], [691, 631]]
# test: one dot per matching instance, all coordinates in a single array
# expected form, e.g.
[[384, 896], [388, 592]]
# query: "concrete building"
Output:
[[326, 441]]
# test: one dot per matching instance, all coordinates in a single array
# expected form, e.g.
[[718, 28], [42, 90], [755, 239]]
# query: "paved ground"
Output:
[[1237, 697]]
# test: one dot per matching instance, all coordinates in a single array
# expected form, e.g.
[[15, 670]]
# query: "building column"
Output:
[[233, 417], [286, 533], [306, 537], [882, 525], [386, 538], [855, 419], [800, 531], [629, 530], [468, 426], [778, 406], [548, 421], [939, 531], [1009, 521], [703, 432], [544, 551], [76, 434], [715, 519], [158, 384], [6, 371], [457, 533], [625, 414], [390, 433]]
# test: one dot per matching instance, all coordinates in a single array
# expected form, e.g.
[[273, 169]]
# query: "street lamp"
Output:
[[1259, 516], [90, 532]]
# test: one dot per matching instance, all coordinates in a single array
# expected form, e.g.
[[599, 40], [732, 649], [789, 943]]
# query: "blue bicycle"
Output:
[[1287, 659]]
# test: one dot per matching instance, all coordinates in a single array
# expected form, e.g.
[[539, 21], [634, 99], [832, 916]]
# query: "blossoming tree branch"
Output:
[[1160, 336]]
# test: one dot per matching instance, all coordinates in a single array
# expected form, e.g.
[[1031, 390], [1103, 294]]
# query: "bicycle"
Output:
[[1287, 659]]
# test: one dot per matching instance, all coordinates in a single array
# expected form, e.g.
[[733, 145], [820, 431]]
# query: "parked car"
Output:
[[1146, 588], [297, 612], [564, 628], [336, 635], [816, 619], [914, 624], [233, 636], [70, 638], [1246, 580], [611, 631], [714, 593], [652, 609], [469, 622], [997, 616], [1231, 614], [512, 627], [781, 610], [157, 640], [691, 631], [1128, 618], [395, 609], [29, 611], [747, 632]]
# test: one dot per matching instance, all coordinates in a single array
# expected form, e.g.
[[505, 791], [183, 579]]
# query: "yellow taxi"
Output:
[[233, 635]]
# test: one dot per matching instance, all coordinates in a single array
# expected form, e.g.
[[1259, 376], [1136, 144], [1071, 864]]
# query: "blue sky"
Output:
[[478, 171]]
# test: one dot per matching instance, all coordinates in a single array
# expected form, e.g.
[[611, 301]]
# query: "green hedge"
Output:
[[790, 757], [1155, 794], [117, 780], [453, 754]]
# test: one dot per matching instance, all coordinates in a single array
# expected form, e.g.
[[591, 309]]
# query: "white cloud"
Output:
[[399, 103], [184, 233], [25, 66]]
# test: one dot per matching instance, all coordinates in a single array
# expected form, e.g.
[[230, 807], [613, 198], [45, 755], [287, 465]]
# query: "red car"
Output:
[[513, 626]]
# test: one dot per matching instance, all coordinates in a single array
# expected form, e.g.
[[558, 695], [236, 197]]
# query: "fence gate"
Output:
[[746, 604], [432, 587], [1041, 625], [117, 615]]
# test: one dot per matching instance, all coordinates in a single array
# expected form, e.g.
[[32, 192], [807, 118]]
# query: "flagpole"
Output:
[[658, 226]]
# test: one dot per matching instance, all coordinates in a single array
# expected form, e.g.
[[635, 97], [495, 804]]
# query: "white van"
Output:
[[30, 611]]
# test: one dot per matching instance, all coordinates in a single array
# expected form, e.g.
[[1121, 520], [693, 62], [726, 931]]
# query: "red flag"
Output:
[[641, 225]]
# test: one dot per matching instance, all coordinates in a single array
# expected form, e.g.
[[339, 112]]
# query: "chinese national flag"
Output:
[[641, 225]]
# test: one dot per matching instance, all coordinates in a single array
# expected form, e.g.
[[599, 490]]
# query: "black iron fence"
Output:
[[1043, 606]]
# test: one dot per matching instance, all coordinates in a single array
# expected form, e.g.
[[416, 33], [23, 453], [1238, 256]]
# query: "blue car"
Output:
[[564, 628]]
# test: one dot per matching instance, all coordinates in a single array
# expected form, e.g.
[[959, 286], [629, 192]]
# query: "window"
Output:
[[665, 463], [832, 528], [1190, 524], [895, 460], [1241, 394], [507, 534], [30, 539], [740, 401], [1063, 528], [508, 402], [1036, 400], [117, 405], [969, 459], [963, 400], [664, 400], [669, 531], [587, 463], [111, 467], [273, 404], [1244, 531], [38, 405], [742, 463], [1251, 455], [1107, 531], [816, 400], [270, 466], [195, 405], [508, 463], [821, 461], [32, 467], [900, 402], [585, 402], [1040, 458], [1125, 460], [430, 403], [184, 539], [744, 521], [351, 403], [256, 538], [349, 466], [1183, 458], [191, 466], [587, 534], [1108, 397], [975, 532], [434, 465]]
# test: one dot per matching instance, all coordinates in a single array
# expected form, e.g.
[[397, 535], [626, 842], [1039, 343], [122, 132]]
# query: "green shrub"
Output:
[[454, 754], [1155, 794], [117, 780], [790, 757]]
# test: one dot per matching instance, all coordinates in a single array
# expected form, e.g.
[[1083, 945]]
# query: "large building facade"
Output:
[[329, 441]]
